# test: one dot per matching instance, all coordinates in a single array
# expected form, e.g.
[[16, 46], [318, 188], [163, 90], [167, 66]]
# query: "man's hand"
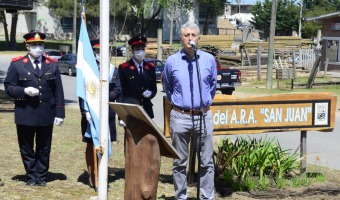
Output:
[[88, 117], [147, 93], [31, 91], [58, 121]]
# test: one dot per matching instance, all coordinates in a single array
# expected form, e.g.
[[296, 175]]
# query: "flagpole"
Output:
[[83, 11], [104, 98]]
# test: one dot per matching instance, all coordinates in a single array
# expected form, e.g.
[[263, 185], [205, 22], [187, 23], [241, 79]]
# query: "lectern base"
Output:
[[142, 161]]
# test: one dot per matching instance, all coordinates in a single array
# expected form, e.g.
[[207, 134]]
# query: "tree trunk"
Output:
[[13, 31], [5, 28], [205, 27], [149, 21]]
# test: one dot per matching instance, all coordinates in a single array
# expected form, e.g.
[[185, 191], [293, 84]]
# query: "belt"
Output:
[[191, 111]]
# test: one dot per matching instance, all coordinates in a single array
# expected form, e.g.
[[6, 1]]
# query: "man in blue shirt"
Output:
[[182, 90]]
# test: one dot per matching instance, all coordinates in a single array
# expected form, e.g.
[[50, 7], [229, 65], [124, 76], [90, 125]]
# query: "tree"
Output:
[[287, 16], [261, 19], [133, 11], [4, 22], [316, 8], [212, 8]]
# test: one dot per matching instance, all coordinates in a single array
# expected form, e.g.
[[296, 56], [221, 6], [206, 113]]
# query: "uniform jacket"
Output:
[[42, 109], [133, 85]]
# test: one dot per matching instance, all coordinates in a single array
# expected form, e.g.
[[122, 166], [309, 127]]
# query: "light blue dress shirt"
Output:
[[181, 82]]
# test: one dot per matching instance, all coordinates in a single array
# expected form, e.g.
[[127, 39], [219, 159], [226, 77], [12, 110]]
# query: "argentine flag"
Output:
[[87, 84]]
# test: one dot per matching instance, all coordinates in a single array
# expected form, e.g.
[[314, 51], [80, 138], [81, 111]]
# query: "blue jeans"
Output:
[[181, 127]]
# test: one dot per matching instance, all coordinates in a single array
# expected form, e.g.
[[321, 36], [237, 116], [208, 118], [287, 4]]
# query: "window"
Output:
[[66, 22], [333, 50]]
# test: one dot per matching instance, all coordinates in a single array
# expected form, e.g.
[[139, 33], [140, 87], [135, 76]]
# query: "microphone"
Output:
[[193, 45]]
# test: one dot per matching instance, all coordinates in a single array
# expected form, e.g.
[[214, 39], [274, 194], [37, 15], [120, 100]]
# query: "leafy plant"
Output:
[[248, 159]]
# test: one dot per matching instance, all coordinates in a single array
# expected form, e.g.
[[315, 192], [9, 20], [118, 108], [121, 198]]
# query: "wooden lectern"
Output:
[[144, 144]]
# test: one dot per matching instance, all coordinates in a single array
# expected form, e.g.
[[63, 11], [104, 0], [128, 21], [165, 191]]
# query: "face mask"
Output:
[[139, 54], [98, 57], [36, 51]]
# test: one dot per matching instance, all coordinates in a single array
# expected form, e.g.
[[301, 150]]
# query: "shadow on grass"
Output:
[[113, 175], [50, 177]]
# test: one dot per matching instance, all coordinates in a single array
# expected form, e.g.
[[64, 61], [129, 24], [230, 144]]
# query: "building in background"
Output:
[[41, 19]]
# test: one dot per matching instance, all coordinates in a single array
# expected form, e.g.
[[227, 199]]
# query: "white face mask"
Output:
[[139, 54], [98, 57], [36, 51]]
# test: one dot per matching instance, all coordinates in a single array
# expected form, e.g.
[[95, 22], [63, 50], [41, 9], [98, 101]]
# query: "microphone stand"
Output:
[[202, 118]]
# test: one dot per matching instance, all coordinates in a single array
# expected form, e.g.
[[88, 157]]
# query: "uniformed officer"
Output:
[[114, 92], [137, 77], [35, 82]]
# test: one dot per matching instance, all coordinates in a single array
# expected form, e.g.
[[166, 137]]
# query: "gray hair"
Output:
[[190, 25]]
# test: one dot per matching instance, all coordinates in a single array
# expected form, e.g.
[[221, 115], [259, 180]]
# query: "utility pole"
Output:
[[301, 4], [271, 46], [171, 23], [74, 43]]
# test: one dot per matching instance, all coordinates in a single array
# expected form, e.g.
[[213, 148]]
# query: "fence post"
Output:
[[259, 52], [303, 151]]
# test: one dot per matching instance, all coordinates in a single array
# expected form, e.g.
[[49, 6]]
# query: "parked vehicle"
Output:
[[159, 67], [54, 53], [67, 64], [121, 50], [227, 79]]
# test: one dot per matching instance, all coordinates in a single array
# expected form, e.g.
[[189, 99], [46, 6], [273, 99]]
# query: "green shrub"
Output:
[[248, 159]]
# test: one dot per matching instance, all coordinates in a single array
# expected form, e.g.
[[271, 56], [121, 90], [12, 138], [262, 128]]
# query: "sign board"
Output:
[[272, 113]]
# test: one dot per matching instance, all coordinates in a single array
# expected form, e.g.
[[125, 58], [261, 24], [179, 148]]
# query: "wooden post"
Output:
[[259, 51], [142, 161], [326, 67], [248, 57], [241, 57], [159, 44], [303, 151], [313, 72], [192, 161]]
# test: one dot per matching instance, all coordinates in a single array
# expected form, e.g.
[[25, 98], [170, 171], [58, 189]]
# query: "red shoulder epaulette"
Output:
[[150, 64], [50, 58], [17, 58], [124, 65]]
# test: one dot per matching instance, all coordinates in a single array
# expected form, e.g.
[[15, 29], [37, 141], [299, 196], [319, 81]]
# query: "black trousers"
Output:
[[112, 126], [36, 162]]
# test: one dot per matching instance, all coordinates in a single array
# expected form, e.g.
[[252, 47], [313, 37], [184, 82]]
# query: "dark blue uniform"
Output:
[[34, 116], [133, 84]]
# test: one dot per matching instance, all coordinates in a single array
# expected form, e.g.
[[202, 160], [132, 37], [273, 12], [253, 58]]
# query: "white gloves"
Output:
[[58, 121], [121, 123], [31, 91], [147, 93], [88, 117]]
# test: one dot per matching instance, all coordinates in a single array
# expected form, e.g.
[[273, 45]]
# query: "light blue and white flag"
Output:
[[87, 86]]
